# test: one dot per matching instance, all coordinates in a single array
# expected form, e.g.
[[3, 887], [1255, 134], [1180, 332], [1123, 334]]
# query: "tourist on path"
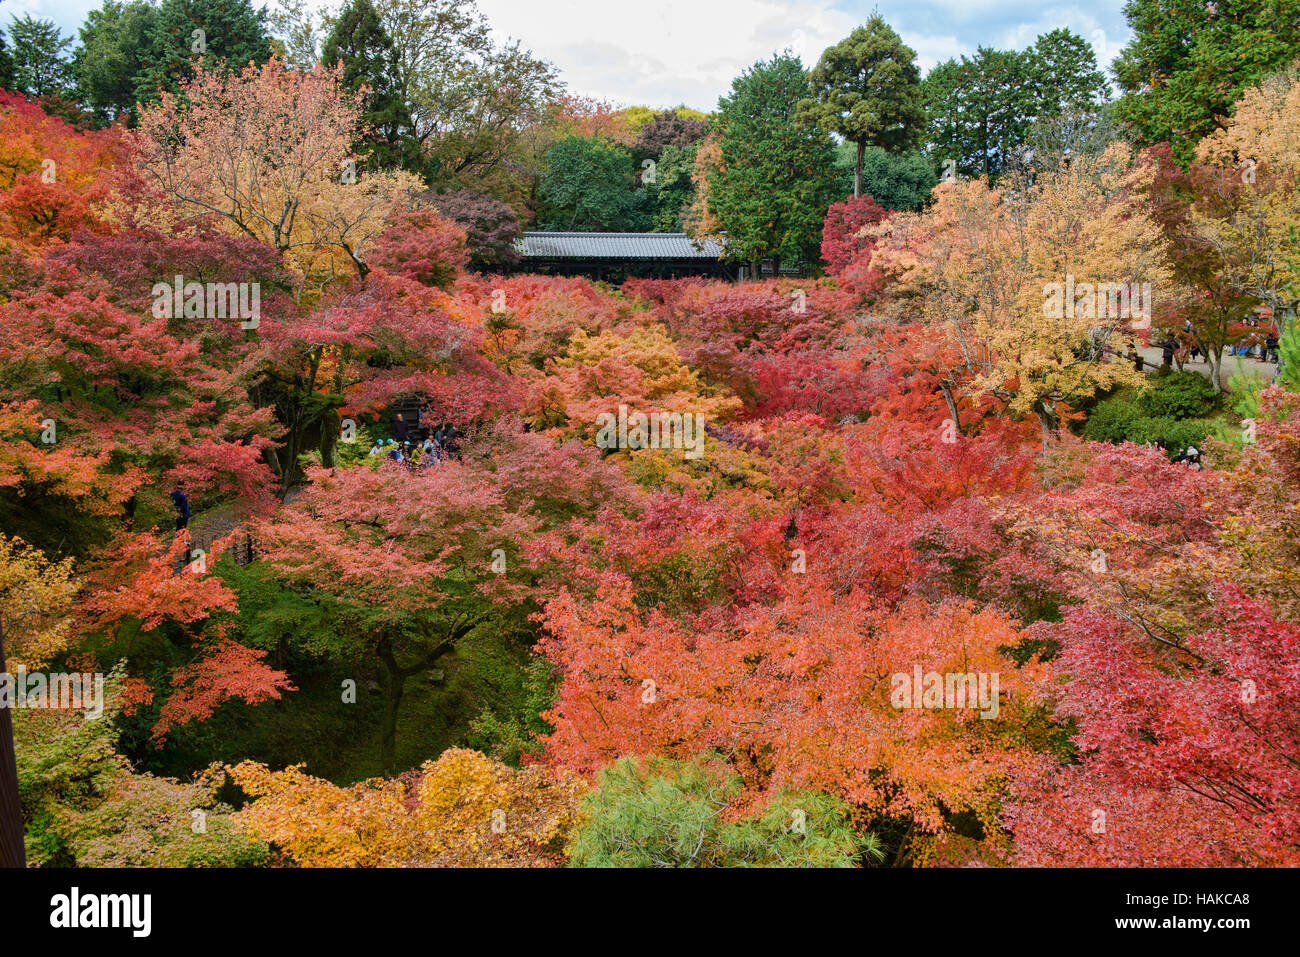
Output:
[[182, 503]]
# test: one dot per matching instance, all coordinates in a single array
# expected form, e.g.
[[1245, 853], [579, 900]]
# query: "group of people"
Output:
[[1265, 346], [1190, 456], [439, 446], [1260, 343]]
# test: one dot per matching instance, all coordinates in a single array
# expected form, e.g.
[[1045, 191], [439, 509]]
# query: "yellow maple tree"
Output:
[[1030, 281], [1256, 233], [464, 810], [36, 601], [268, 153]]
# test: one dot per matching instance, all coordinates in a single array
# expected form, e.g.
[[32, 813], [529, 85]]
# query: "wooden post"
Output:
[[12, 851]]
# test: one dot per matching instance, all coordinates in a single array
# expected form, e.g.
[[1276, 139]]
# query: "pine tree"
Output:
[[361, 44], [1189, 62], [776, 176], [867, 88], [209, 31]]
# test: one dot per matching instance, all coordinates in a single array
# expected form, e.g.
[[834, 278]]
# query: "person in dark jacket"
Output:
[[450, 448], [182, 503]]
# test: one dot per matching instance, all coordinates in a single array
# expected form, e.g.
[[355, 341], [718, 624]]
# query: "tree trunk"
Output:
[[388, 745], [289, 467], [12, 851], [1046, 421], [329, 438], [904, 852], [951, 402], [857, 170], [397, 675], [272, 461], [1215, 360], [755, 270]]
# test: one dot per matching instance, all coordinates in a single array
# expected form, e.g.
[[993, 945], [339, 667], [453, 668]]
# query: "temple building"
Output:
[[614, 257]]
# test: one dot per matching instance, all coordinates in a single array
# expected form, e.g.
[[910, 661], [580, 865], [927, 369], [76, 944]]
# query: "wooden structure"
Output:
[[614, 257]]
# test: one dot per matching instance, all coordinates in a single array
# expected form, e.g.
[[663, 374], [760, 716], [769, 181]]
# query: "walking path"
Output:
[[1154, 357]]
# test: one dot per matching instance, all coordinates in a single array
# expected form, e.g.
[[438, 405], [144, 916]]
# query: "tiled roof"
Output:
[[539, 245]]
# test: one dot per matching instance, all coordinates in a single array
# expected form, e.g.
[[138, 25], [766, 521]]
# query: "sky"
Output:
[[663, 53]]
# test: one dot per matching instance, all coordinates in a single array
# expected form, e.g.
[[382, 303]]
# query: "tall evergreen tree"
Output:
[[1189, 62], [867, 88], [113, 52], [6, 65], [981, 109], [776, 177], [39, 57], [589, 184], [361, 44], [1064, 69], [210, 31]]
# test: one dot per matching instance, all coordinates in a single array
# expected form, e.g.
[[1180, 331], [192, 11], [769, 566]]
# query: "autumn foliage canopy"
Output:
[[865, 555]]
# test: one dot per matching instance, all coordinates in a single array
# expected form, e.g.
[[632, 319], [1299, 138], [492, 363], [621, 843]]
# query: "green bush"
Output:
[[655, 812], [84, 805], [1179, 395], [1112, 419], [1121, 420], [1177, 434], [1176, 407]]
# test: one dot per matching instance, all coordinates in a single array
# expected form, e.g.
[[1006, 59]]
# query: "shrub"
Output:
[[1179, 395], [656, 812], [1124, 419], [1177, 434], [1111, 419]]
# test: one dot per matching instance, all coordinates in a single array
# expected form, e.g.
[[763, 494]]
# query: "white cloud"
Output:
[[1106, 39], [66, 13], [663, 52], [933, 48]]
